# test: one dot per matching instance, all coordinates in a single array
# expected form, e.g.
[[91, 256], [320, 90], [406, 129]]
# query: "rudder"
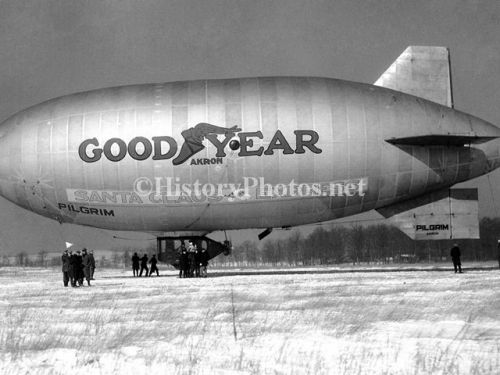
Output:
[[423, 71]]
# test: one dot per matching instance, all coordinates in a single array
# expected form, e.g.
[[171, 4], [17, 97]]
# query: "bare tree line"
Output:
[[379, 243], [22, 258]]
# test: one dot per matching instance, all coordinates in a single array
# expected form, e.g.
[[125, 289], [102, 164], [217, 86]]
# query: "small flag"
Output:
[[68, 245]]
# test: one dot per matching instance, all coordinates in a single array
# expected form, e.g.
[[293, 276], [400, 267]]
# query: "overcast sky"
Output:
[[52, 48]]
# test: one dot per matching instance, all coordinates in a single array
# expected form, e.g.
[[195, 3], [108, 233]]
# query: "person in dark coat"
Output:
[[203, 262], [191, 258], [65, 267], [144, 264], [498, 250], [154, 268], [455, 257], [183, 262], [197, 261], [135, 264], [86, 265], [72, 268], [92, 264], [78, 268]]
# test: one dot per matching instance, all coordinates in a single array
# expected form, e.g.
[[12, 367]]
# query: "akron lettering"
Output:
[[206, 161]]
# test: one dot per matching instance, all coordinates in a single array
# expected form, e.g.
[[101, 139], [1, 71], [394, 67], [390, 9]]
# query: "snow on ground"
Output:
[[288, 322]]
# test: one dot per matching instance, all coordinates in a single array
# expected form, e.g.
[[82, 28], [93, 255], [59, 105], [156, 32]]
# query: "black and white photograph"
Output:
[[250, 187]]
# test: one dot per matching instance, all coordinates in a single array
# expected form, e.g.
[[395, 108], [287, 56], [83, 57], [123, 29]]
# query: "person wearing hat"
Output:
[[455, 257], [86, 266], [197, 261], [154, 268], [183, 262], [203, 262], [78, 268], [135, 264], [65, 267], [144, 264], [191, 258], [92, 264], [71, 268]]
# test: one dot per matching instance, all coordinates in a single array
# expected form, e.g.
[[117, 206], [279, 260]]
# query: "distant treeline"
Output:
[[379, 243], [117, 258]]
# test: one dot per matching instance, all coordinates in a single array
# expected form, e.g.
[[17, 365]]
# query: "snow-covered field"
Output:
[[408, 322]]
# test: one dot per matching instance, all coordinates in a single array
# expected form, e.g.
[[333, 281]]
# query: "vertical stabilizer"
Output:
[[443, 215], [422, 71]]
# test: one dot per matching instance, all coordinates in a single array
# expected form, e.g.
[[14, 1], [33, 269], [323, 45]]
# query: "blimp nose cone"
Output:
[[9, 162], [19, 168], [5, 170]]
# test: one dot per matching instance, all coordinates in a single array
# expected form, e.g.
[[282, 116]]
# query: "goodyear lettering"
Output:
[[432, 227], [86, 210], [164, 147]]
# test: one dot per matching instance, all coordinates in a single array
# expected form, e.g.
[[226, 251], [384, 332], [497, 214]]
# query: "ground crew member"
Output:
[[71, 268], [204, 262], [191, 258], [135, 264], [183, 262], [455, 257], [92, 264], [144, 264], [65, 267], [86, 266], [153, 262], [78, 268], [197, 261]]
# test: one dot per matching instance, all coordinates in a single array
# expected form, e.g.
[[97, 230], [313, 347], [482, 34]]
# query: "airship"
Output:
[[184, 159]]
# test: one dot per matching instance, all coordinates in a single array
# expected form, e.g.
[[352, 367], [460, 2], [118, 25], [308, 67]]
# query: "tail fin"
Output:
[[442, 215], [422, 71]]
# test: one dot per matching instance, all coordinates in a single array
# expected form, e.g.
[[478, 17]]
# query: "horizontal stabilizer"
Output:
[[423, 71], [442, 215], [439, 140]]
